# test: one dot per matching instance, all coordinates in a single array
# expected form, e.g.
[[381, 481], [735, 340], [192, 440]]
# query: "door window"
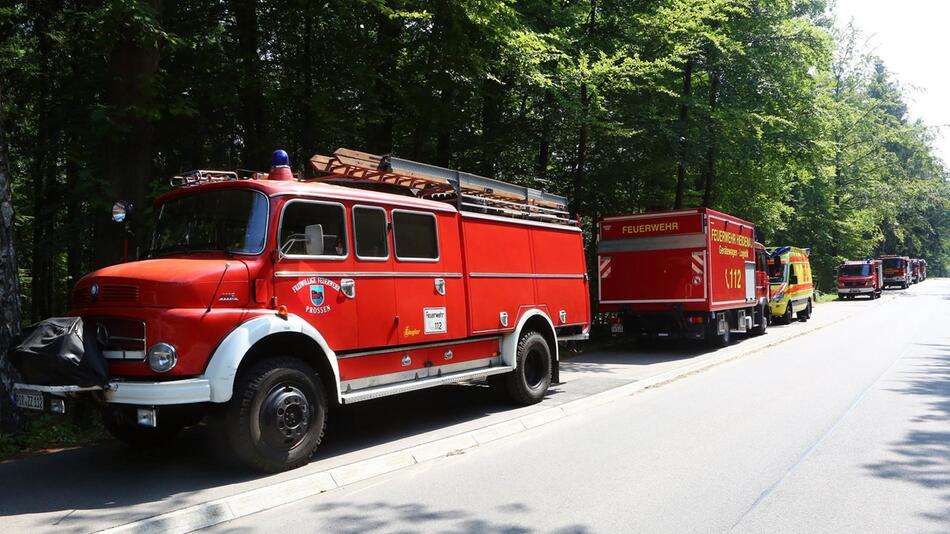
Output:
[[313, 229], [369, 233], [415, 236]]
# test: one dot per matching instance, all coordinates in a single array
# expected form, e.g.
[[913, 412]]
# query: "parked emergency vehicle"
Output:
[[865, 277], [914, 271], [693, 273], [897, 270], [923, 269], [277, 298], [792, 288]]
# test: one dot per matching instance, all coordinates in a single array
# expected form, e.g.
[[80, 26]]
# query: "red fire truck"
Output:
[[897, 270], [865, 277], [275, 299], [693, 273], [923, 269], [915, 271]]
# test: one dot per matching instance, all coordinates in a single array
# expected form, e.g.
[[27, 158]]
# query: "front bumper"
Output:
[[186, 391], [855, 290]]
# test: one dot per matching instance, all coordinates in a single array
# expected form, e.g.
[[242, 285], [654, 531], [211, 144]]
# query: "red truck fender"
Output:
[[509, 343], [226, 360]]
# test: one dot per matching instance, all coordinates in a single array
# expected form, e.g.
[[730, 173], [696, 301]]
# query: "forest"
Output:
[[772, 111]]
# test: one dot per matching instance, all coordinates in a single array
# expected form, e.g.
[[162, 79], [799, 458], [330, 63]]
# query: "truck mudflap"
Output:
[[60, 352]]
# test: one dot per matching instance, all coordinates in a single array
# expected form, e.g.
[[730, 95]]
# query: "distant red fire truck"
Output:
[[277, 298], [693, 273], [865, 277]]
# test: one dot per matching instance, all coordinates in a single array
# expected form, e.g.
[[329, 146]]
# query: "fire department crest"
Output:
[[316, 295]]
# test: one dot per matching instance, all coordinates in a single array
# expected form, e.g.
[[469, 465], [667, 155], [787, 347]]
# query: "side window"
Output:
[[369, 233], [313, 229], [415, 236]]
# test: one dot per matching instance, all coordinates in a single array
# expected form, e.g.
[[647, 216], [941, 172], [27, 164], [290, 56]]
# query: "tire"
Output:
[[277, 416], [716, 339], [529, 382], [787, 316], [763, 325], [122, 425], [805, 314]]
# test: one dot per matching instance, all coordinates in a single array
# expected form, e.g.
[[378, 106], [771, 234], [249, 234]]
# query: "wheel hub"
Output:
[[285, 417]]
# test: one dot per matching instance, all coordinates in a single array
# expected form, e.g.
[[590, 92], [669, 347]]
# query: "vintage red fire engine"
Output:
[[275, 299], [693, 273]]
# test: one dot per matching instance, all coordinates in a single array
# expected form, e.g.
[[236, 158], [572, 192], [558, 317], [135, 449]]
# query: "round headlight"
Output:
[[162, 357]]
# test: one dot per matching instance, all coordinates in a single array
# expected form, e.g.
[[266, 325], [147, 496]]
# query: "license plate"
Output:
[[616, 329], [31, 400]]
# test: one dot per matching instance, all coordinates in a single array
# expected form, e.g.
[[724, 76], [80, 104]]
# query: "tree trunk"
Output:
[[581, 161], [380, 124], [306, 115], [9, 282], [134, 65], [544, 147], [709, 168], [682, 130], [491, 116], [253, 112]]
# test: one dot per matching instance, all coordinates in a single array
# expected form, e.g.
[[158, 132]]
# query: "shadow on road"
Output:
[[110, 477], [924, 453], [355, 518]]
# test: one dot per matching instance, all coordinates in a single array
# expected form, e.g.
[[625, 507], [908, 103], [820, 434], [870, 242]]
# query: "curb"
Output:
[[258, 500]]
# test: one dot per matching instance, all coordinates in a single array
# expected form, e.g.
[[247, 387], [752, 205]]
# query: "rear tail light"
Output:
[[696, 319]]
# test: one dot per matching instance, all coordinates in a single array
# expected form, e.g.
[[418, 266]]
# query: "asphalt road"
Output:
[[846, 429]]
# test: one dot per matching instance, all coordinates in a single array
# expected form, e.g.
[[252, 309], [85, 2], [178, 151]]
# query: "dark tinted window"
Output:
[[327, 219], [369, 232], [893, 263], [855, 270], [415, 236]]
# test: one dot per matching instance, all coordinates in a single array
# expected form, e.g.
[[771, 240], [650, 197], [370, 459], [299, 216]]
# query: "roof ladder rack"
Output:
[[469, 191]]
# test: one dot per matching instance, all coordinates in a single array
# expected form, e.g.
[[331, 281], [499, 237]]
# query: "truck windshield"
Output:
[[855, 270], [231, 221], [776, 272], [893, 263]]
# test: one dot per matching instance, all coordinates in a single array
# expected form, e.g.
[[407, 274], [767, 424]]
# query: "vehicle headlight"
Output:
[[162, 357], [778, 296]]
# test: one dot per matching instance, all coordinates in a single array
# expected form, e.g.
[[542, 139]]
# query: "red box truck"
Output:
[[693, 273]]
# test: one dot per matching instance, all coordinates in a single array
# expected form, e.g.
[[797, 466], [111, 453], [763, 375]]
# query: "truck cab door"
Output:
[[376, 289], [314, 272]]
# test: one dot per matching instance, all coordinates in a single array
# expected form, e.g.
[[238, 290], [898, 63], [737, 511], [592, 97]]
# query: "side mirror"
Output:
[[121, 210], [314, 233]]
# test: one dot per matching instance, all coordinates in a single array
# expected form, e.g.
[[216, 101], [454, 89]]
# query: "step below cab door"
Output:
[[314, 272]]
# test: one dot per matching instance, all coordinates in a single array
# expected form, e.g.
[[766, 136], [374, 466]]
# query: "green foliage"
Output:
[[48, 432], [790, 122]]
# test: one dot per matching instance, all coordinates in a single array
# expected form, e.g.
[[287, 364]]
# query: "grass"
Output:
[[825, 297], [48, 432]]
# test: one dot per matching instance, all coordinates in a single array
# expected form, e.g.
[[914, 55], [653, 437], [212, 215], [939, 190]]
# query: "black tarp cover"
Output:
[[60, 352]]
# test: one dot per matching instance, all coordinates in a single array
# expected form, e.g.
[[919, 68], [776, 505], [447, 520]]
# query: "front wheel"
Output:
[[787, 316], [529, 382], [278, 414], [763, 325], [805, 314]]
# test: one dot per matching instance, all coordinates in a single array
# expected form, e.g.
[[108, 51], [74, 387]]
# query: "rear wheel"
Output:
[[529, 382], [278, 414], [715, 338]]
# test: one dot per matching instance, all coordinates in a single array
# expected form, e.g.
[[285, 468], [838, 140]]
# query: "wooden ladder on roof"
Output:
[[469, 192]]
